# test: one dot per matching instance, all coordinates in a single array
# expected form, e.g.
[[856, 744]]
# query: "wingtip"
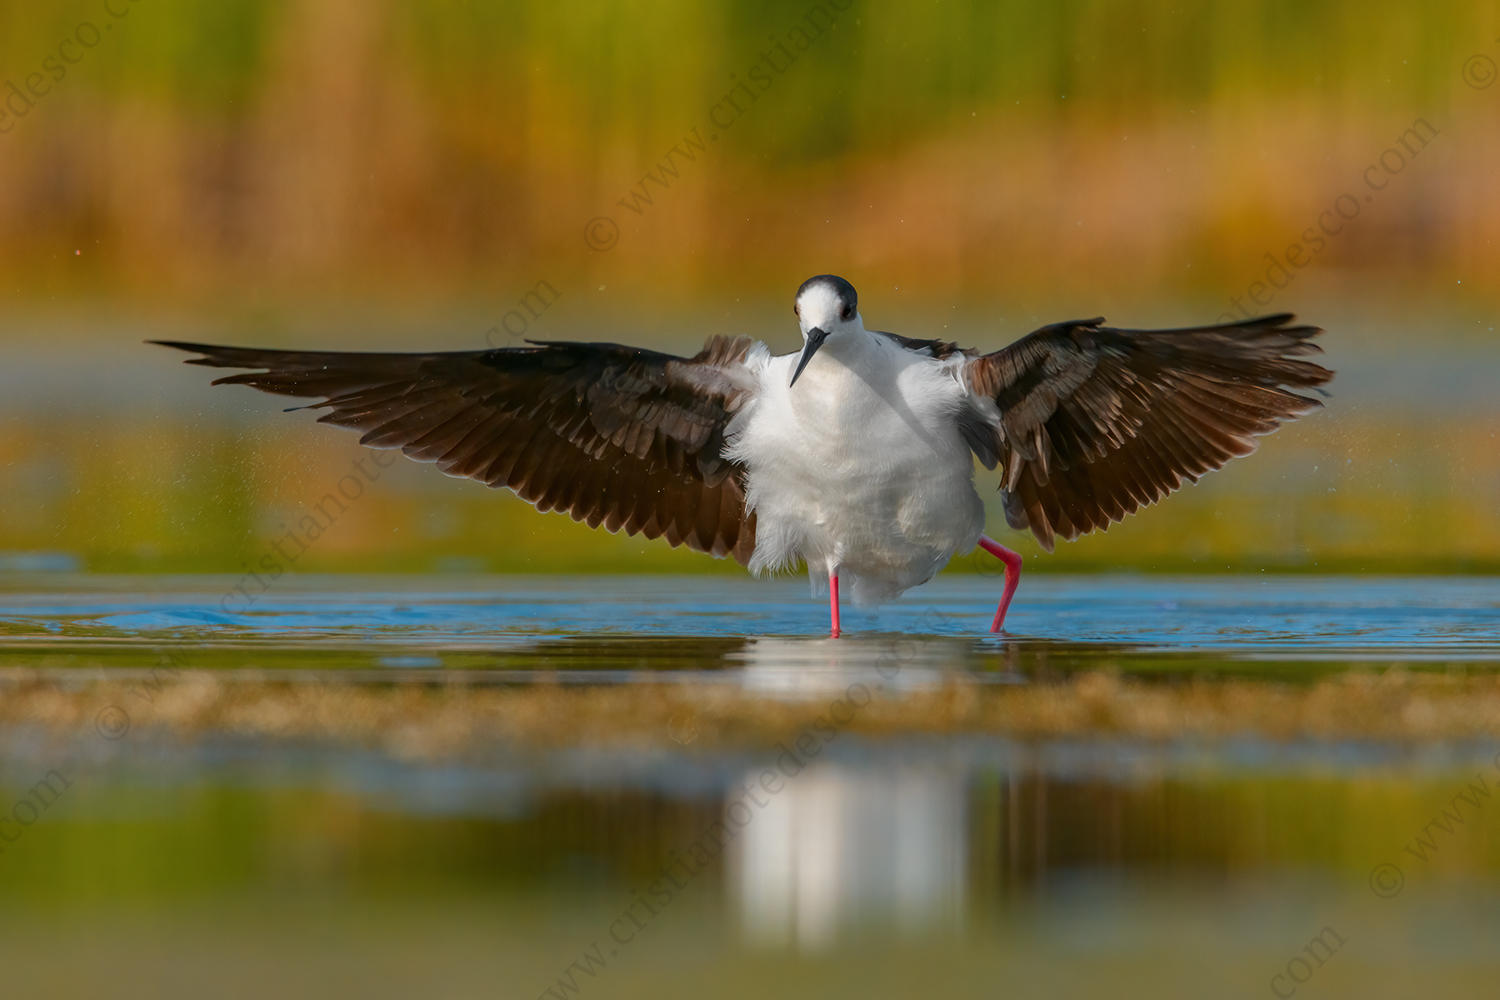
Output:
[[206, 350]]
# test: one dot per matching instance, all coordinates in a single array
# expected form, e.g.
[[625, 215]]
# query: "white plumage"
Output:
[[859, 469]]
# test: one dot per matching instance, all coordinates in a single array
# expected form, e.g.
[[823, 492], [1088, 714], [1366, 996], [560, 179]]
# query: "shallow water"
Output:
[[915, 866], [695, 623]]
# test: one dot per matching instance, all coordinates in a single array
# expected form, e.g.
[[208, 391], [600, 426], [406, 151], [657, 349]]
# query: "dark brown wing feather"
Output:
[[627, 438], [1095, 423], [940, 349]]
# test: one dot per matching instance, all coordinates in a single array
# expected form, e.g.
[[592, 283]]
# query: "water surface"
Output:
[[183, 865], [564, 624]]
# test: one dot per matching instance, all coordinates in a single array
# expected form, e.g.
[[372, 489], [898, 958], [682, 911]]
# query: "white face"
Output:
[[820, 307]]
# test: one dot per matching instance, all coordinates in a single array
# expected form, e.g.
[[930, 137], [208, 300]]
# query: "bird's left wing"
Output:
[[1091, 423], [628, 438]]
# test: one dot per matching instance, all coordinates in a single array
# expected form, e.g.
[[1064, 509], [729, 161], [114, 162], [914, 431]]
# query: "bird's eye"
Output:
[[797, 311], [848, 313]]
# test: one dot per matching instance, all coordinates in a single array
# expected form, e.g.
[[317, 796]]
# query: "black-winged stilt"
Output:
[[853, 455]]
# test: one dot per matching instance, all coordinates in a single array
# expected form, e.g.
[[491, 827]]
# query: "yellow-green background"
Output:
[[333, 173]]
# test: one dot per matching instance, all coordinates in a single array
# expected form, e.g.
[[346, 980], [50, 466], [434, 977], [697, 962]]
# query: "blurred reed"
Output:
[[295, 148], [299, 172]]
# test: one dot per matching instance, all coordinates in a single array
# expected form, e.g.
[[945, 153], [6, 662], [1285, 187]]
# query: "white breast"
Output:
[[859, 468]]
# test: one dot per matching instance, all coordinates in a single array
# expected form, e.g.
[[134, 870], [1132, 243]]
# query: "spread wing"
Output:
[[627, 438], [1091, 423]]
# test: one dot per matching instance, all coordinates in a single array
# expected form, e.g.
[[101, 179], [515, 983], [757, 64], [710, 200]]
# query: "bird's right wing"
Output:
[[628, 438], [1092, 423]]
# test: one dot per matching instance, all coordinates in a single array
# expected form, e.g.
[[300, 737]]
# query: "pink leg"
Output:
[[833, 602], [1012, 562]]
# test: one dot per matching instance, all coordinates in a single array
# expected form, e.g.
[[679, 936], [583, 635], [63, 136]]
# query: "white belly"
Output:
[[863, 475]]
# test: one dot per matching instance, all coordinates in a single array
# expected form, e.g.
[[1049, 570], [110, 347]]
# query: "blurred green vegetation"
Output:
[[278, 149], [113, 839], [896, 68], [291, 171]]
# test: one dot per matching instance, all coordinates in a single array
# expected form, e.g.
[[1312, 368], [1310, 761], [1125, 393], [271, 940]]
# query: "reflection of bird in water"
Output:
[[796, 670], [854, 455], [840, 846]]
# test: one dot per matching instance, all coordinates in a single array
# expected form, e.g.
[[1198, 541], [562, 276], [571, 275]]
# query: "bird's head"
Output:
[[826, 306]]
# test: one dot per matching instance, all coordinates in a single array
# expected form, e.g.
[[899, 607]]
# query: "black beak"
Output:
[[815, 338]]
